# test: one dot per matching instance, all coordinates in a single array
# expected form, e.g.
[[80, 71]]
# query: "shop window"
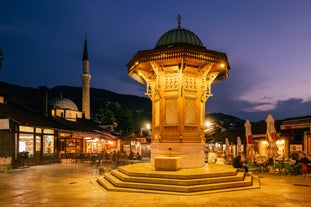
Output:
[[79, 146], [71, 145], [62, 146], [48, 145], [95, 146], [74, 146], [26, 144], [89, 146], [279, 143], [48, 131], [38, 143]]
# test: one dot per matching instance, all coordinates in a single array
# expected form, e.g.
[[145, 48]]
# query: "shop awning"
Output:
[[106, 135], [296, 124]]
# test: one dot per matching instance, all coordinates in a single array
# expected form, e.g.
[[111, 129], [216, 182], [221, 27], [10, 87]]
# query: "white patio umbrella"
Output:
[[227, 142], [228, 149], [239, 144], [250, 151], [271, 137]]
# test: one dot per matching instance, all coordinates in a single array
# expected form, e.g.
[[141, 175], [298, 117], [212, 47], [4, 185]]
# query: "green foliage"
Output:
[[127, 125], [122, 119], [111, 113]]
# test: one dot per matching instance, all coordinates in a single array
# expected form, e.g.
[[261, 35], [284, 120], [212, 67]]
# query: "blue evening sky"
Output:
[[268, 44]]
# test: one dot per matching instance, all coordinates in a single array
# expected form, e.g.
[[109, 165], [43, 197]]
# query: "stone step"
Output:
[[146, 170], [177, 188], [239, 176], [143, 177], [110, 187]]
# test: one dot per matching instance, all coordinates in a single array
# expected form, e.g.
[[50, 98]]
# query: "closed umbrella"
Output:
[[227, 142], [239, 144], [271, 137], [250, 150], [228, 151]]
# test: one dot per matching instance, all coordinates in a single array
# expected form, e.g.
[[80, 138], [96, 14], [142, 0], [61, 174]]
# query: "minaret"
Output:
[[86, 77]]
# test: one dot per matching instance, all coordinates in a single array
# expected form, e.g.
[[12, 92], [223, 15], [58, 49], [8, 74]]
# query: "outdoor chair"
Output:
[[304, 170], [278, 165], [252, 166], [288, 168]]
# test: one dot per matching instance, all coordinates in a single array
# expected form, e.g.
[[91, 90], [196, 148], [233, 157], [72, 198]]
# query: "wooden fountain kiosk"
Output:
[[178, 74]]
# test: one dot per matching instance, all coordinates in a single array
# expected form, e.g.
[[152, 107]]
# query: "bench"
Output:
[[167, 163]]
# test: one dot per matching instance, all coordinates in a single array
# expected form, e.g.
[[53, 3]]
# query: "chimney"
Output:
[[44, 100]]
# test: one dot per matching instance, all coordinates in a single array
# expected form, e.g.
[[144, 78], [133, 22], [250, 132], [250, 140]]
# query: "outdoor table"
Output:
[[261, 163]]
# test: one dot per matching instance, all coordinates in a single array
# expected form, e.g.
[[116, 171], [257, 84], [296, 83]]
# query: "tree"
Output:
[[1, 57], [122, 120], [110, 113], [126, 123]]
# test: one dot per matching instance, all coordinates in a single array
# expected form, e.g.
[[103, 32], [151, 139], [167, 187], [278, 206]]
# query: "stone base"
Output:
[[191, 155], [167, 163], [143, 178]]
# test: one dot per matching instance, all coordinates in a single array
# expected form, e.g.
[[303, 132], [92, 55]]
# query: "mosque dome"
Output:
[[179, 36], [63, 103]]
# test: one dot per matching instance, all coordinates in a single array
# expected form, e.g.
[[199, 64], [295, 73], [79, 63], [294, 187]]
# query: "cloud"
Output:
[[261, 107], [225, 102]]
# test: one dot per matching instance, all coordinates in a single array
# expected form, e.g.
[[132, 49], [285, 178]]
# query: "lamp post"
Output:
[[209, 125], [147, 127]]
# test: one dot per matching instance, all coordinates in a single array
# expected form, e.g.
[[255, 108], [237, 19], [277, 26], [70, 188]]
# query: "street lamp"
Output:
[[208, 123], [209, 126], [147, 127]]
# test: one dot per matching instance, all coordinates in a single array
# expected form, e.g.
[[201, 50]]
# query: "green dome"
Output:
[[179, 36]]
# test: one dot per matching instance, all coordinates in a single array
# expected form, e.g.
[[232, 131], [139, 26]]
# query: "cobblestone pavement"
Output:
[[75, 185]]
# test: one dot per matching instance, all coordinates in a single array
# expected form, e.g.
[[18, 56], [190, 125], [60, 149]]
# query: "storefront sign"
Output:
[[295, 148]]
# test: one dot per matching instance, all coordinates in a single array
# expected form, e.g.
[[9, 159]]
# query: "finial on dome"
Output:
[[179, 21]]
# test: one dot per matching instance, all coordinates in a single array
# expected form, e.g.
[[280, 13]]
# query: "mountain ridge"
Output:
[[30, 97]]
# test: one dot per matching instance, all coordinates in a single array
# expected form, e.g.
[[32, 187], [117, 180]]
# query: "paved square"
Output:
[[75, 185]]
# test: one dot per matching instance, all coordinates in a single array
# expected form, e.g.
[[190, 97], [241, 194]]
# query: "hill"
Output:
[[31, 98], [100, 97], [225, 121]]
